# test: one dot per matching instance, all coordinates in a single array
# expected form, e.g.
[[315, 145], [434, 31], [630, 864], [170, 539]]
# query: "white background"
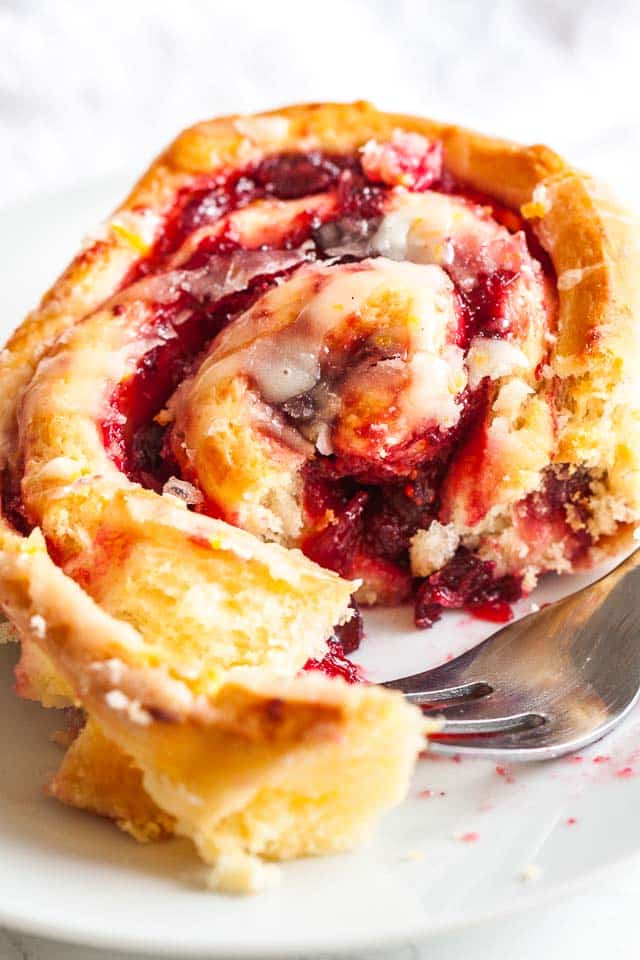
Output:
[[88, 88]]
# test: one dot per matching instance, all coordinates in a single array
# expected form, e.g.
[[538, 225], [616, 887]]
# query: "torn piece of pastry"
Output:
[[249, 764]]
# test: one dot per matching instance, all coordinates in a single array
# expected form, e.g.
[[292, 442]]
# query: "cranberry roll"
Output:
[[317, 354], [440, 399]]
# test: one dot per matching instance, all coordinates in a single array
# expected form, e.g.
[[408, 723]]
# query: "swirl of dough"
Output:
[[407, 349], [373, 369]]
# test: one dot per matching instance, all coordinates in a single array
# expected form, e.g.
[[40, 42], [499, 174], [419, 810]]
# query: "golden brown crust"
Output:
[[592, 244]]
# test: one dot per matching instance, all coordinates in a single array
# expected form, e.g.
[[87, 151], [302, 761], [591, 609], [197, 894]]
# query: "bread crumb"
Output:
[[493, 359], [414, 855], [136, 713], [241, 873], [430, 549], [183, 491], [530, 873], [112, 669], [38, 626], [511, 398], [7, 632], [539, 205]]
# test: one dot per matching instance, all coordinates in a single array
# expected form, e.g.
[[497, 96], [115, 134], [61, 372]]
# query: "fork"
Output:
[[547, 685]]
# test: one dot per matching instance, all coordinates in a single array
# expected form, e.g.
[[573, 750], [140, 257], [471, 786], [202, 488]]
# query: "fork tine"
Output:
[[474, 690], [511, 724], [545, 685]]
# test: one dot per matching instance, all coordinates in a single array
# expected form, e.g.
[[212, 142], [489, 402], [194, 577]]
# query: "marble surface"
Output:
[[89, 88]]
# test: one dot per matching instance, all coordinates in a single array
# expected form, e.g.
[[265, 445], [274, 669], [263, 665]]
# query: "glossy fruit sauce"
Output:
[[376, 511]]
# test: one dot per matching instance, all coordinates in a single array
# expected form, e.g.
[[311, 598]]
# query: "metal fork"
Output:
[[547, 685]]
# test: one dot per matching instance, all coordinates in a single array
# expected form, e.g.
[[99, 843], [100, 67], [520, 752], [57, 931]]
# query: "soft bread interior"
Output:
[[96, 775]]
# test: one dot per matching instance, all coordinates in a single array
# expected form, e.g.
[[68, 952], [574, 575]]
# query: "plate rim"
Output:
[[144, 944]]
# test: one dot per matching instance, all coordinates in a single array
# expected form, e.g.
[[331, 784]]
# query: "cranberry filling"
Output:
[[468, 583], [376, 520], [335, 546], [335, 664], [364, 513], [406, 159], [281, 176], [484, 307], [288, 176], [350, 634], [560, 510], [346, 639], [131, 437], [360, 517], [12, 505]]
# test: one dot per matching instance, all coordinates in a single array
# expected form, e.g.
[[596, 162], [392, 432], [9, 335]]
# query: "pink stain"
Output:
[[470, 837], [625, 772], [571, 822], [504, 773], [601, 759]]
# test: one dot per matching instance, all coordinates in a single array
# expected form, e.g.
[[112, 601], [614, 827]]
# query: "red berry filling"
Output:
[[407, 160], [484, 307], [335, 664], [288, 176], [559, 512], [466, 583], [363, 513]]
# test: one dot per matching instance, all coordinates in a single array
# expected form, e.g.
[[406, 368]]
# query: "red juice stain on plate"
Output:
[[470, 837], [625, 772], [571, 822], [495, 611], [601, 758], [505, 774]]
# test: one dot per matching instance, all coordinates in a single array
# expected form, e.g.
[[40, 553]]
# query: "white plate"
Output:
[[74, 877]]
